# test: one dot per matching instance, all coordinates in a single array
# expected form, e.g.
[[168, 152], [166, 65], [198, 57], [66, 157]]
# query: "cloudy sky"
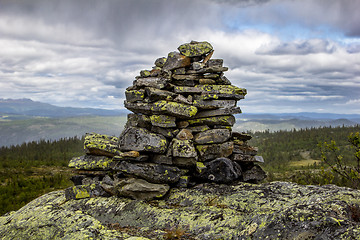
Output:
[[291, 55]]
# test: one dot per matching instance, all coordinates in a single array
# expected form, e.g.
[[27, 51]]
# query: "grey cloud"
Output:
[[298, 48]]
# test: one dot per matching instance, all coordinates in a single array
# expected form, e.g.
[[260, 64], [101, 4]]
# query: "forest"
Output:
[[32, 169]]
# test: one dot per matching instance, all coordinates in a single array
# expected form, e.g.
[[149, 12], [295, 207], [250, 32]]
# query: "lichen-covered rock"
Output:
[[176, 60], [220, 170], [212, 136], [163, 121], [100, 144], [154, 82], [183, 148], [140, 139], [90, 162], [135, 95], [254, 175], [195, 49], [85, 191], [140, 189], [152, 172], [278, 210], [212, 151], [163, 107], [228, 120]]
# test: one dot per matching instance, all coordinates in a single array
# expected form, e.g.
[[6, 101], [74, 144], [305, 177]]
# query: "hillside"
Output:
[[18, 131]]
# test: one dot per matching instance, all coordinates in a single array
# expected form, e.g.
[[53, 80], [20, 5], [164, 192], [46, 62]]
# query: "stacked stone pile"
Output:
[[179, 134]]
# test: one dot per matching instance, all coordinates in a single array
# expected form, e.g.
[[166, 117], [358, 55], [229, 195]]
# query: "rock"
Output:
[[151, 172], [195, 49], [277, 210], [181, 99], [254, 175], [214, 104], [186, 162], [154, 82], [184, 134], [98, 144], [145, 73], [212, 151], [140, 189], [241, 136], [204, 81], [215, 63], [138, 120], [196, 129], [218, 112], [175, 109], [162, 159], [245, 149], [135, 95], [166, 132], [90, 162], [212, 136], [155, 94], [176, 60], [163, 121], [183, 148], [85, 191], [160, 62], [140, 139], [211, 121], [220, 170]]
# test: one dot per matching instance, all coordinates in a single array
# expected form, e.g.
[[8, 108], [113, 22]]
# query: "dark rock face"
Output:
[[179, 134], [277, 210]]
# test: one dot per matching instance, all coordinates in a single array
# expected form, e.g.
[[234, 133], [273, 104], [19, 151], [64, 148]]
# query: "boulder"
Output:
[[276, 210], [195, 49], [140, 139], [160, 62], [254, 175], [220, 170]]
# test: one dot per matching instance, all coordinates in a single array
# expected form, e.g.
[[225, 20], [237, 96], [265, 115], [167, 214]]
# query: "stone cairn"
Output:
[[179, 134]]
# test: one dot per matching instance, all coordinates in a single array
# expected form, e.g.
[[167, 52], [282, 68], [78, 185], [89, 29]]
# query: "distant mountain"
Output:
[[25, 108], [300, 115]]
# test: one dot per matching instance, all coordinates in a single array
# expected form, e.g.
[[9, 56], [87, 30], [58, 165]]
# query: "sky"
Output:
[[290, 55]]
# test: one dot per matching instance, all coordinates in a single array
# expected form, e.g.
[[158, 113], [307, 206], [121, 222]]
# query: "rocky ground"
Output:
[[278, 210]]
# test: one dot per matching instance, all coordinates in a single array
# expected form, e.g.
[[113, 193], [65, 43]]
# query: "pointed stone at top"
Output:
[[195, 49]]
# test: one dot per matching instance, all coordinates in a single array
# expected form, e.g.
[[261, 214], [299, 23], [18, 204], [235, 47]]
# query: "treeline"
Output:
[[41, 153], [282, 147], [31, 169]]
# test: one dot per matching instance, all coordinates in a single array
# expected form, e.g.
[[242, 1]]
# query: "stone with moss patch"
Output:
[[195, 49], [90, 162], [100, 144]]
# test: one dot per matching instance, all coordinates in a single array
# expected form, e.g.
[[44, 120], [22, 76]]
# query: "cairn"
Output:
[[179, 134]]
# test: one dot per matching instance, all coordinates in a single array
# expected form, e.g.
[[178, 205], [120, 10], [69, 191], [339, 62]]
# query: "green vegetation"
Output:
[[296, 156], [31, 169]]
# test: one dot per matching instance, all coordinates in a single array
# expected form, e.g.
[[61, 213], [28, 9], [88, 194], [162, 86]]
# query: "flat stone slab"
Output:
[[163, 107], [101, 144], [90, 162], [151, 172], [212, 136], [163, 121], [212, 151], [140, 189], [140, 139], [211, 121], [155, 82], [218, 112]]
